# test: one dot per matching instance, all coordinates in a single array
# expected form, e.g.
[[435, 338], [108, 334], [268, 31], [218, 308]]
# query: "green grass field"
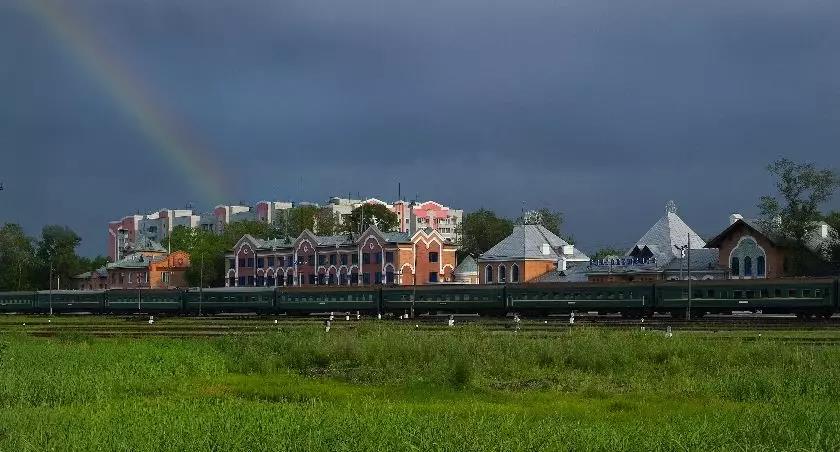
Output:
[[388, 387]]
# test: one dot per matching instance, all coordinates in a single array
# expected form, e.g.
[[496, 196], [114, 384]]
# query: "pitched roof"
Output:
[[574, 274], [702, 259], [663, 238], [814, 240], [526, 241], [135, 260], [467, 265]]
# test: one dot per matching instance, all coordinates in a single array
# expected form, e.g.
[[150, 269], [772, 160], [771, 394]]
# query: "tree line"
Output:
[[25, 262]]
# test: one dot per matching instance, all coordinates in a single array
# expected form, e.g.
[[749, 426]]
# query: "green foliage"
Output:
[[549, 219], [389, 387], [364, 216], [482, 229], [604, 252], [291, 222], [803, 189], [17, 259], [57, 249], [325, 222], [833, 220]]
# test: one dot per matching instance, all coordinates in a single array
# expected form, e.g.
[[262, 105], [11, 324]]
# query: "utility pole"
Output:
[[201, 285], [688, 271], [51, 278]]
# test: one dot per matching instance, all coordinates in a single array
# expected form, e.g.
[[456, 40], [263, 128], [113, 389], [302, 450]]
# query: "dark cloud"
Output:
[[601, 109]]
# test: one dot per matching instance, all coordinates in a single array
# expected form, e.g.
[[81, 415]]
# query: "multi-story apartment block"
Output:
[[373, 257], [158, 225]]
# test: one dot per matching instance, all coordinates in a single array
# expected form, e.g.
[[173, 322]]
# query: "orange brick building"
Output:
[[527, 254], [373, 257]]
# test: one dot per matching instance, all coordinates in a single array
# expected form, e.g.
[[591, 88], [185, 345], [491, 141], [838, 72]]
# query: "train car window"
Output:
[[806, 293], [710, 293], [764, 293], [818, 293], [777, 293], [698, 294], [685, 294], [791, 293], [402, 297], [750, 294], [620, 295], [738, 294], [485, 298]]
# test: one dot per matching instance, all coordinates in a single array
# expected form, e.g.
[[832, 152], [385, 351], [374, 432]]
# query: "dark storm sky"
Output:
[[603, 109]]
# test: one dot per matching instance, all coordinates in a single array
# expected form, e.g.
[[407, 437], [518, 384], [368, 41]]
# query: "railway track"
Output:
[[176, 326]]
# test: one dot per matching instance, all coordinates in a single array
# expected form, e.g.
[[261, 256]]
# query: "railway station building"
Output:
[[373, 257], [669, 250], [750, 249], [527, 254]]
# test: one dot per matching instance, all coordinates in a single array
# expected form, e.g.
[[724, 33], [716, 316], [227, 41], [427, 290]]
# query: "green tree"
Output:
[[57, 250], [549, 219], [326, 222], [480, 230], [364, 216], [207, 251], [803, 189], [604, 252], [291, 222], [833, 220], [17, 259]]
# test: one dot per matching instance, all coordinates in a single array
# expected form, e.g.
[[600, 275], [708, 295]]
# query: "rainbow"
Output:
[[173, 141]]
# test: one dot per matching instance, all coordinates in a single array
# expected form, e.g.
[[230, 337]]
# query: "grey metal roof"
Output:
[[703, 259], [467, 265], [574, 274], [136, 260], [101, 272], [526, 242], [667, 234]]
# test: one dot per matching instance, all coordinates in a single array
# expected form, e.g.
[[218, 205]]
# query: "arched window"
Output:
[[514, 273], [502, 273], [751, 257], [488, 275]]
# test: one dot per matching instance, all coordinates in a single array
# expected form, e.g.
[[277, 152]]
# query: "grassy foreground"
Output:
[[387, 387]]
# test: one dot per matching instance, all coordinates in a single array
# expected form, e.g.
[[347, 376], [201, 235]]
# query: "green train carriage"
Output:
[[628, 299], [19, 302], [309, 299], [444, 298], [56, 301], [259, 300], [126, 301], [803, 297]]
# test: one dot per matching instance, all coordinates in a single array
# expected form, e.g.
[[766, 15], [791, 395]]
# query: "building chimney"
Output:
[[824, 230], [561, 264], [735, 217]]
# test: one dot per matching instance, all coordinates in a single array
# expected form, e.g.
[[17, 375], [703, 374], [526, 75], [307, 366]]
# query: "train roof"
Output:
[[750, 282], [446, 287], [76, 292], [231, 289]]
